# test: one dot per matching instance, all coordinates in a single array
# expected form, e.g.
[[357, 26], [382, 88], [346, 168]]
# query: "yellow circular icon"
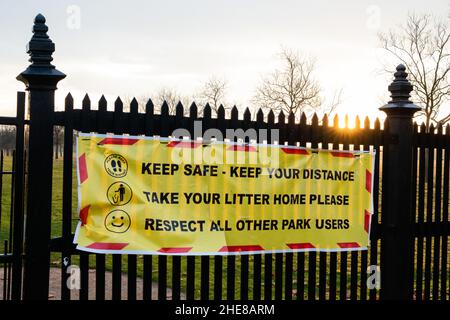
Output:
[[116, 165], [119, 193], [117, 221]]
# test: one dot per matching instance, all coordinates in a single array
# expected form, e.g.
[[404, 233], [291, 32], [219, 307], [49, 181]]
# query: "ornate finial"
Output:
[[400, 88], [40, 73], [40, 48]]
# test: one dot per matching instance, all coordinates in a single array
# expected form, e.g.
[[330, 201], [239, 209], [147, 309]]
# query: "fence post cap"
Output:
[[40, 73], [400, 89]]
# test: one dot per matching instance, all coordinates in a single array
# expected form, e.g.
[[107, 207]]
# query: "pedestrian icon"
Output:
[[119, 193], [116, 166]]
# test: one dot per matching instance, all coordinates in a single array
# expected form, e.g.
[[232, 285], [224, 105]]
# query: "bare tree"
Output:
[[213, 92], [422, 45], [7, 139], [292, 88]]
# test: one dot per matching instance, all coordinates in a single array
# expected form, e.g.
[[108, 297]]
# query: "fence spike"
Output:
[[260, 115], [447, 129], [221, 112], [134, 106], [193, 111], [118, 105], [325, 120], [102, 103], [423, 128], [377, 124], [303, 119], [165, 108], [432, 128], [291, 118], [281, 117], [207, 111], [234, 113], [69, 96], [68, 102], [366, 123], [315, 120], [357, 122], [179, 110], [247, 114], [86, 103], [149, 107], [439, 128], [415, 127], [336, 121], [271, 117]]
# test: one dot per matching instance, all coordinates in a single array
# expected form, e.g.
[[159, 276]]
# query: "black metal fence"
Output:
[[431, 204], [12, 192], [410, 225]]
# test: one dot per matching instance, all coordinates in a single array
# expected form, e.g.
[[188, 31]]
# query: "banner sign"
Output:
[[143, 195]]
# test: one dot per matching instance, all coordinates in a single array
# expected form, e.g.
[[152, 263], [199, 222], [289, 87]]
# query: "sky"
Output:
[[135, 48]]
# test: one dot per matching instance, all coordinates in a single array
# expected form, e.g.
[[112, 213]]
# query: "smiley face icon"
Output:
[[117, 221]]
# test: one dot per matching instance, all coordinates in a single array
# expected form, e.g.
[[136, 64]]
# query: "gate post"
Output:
[[40, 79], [397, 241]]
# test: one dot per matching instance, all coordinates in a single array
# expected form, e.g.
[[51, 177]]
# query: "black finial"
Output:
[[400, 88], [40, 73], [41, 47]]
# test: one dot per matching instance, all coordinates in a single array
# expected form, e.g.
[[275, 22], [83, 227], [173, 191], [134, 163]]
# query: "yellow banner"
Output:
[[160, 196]]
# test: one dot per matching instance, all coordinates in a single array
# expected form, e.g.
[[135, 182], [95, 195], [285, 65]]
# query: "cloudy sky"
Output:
[[137, 47]]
